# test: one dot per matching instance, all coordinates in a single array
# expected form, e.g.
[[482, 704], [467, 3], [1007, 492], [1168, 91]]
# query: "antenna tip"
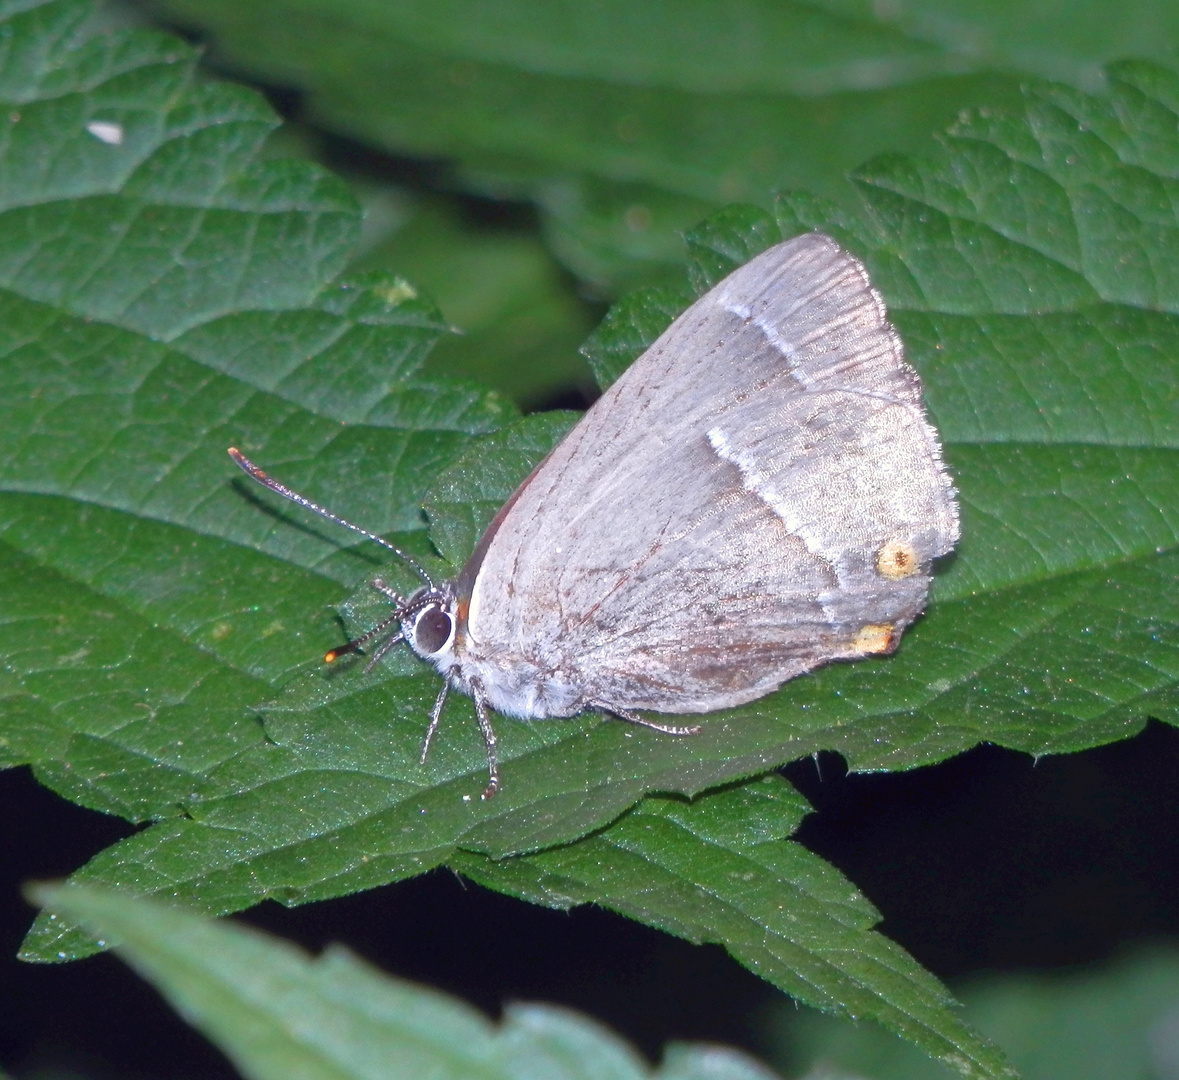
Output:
[[328, 657]]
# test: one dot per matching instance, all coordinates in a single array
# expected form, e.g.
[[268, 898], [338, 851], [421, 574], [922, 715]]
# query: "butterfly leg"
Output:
[[634, 718], [435, 719], [488, 738]]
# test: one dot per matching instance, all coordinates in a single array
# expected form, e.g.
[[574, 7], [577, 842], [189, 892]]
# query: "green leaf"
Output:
[[626, 125], [520, 324], [150, 597], [278, 1013], [787, 47], [521, 118], [620, 120], [718, 870], [615, 234], [1097, 1022]]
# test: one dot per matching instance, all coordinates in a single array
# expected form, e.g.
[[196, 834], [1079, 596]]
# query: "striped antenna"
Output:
[[252, 471]]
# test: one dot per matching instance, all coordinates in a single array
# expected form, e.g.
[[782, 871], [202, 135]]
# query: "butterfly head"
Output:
[[428, 625]]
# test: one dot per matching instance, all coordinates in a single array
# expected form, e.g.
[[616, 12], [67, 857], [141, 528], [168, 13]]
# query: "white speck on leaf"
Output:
[[106, 131]]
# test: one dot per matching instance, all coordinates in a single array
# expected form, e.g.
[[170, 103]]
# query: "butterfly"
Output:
[[760, 493]]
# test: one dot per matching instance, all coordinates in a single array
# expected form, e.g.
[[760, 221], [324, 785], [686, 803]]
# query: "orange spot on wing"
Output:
[[874, 638], [897, 559]]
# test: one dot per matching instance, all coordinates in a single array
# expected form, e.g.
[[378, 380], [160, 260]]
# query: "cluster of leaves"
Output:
[[276, 1012], [169, 291], [627, 123]]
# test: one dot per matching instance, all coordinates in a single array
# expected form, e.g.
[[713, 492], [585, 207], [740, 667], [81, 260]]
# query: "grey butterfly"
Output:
[[758, 494]]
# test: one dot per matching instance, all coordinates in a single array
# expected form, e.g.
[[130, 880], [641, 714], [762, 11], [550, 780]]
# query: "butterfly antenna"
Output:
[[252, 470], [357, 644]]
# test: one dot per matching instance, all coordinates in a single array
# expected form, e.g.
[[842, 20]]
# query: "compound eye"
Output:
[[432, 630]]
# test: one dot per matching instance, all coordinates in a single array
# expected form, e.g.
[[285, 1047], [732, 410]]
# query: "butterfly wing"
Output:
[[758, 494]]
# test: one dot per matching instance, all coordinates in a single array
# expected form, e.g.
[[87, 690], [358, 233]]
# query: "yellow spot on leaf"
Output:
[[397, 292]]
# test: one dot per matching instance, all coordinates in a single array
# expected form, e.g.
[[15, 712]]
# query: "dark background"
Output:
[[988, 862]]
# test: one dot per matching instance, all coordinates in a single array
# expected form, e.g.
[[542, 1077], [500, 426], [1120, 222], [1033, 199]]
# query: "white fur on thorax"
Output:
[[512, 685]]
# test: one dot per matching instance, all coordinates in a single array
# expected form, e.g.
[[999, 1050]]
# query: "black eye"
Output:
[[432, 630]]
